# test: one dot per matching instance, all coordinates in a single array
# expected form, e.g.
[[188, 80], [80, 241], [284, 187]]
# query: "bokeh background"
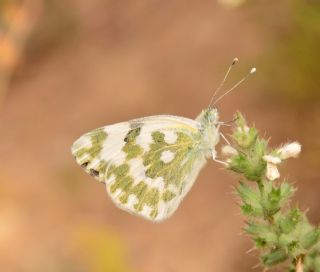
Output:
[[70, 66]]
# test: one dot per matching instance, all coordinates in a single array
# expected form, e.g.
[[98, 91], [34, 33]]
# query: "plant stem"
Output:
[[299, 265]]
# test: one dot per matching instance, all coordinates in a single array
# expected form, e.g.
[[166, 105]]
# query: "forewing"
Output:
[[148, 164]]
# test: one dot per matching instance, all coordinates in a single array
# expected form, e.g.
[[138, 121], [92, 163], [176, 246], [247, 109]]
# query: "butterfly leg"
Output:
[[221, 162], [224, 124], [229, 123], [224, 138], [214, 157]]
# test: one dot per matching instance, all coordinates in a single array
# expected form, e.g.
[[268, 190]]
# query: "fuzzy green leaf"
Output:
[[288, 222], [288, 242], [251, 200], [260, 149], [274, 257], [240, 120], [260, 242], [252, 169], [247, 209], [244, 137], [262, 232], [274, 197], [287, 191], [310, 238], [272, 202]]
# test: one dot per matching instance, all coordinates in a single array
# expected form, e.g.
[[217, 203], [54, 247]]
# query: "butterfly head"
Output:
[[209, 116], [212, 115]]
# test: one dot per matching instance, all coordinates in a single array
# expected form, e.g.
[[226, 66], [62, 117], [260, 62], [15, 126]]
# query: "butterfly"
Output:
[[149, 164]]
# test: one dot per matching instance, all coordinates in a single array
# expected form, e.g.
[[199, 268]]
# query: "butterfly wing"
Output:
[[147, 164]]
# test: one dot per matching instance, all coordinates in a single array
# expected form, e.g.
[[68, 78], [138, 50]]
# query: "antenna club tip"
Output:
[[253, 70], [235, 60]]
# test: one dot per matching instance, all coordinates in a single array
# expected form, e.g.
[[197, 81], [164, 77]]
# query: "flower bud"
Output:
[[291, 150], [272, 172], [271, 159]]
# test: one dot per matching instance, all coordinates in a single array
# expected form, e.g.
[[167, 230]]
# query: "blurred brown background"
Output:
[[70, 66]]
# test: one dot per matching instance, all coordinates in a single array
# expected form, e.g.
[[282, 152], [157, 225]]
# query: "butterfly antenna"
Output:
[[235, 60], [251, 72]]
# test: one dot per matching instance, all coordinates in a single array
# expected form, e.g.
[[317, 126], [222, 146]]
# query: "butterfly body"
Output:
[[149, 164]]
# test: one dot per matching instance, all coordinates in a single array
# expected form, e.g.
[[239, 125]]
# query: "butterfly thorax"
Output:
[[209, 129]]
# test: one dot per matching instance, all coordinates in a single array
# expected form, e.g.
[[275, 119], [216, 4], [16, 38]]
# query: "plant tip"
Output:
[[235, 60], [253, 70]]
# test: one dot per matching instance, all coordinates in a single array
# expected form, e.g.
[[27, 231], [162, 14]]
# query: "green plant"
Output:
[[280, 231]]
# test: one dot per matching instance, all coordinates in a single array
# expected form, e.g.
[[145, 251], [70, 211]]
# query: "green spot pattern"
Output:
[[173, 173], [168, 195], [85, 153], [131, 148]]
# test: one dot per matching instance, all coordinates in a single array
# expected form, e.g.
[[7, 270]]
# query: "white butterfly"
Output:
[[149, 164]]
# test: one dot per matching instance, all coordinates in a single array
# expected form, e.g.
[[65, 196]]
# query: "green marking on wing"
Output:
[[102, 166], [120, 171], [85, 153], [168, 195], [172, 172], [131, 148], [132, 134], [122, 181], [125, 183], [150, 198], [144, 194]]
